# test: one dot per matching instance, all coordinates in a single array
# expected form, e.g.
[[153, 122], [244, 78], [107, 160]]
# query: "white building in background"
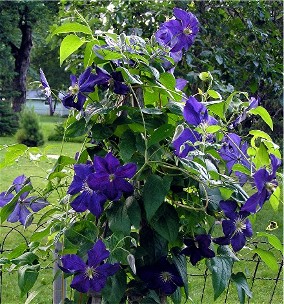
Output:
[[35, 99]]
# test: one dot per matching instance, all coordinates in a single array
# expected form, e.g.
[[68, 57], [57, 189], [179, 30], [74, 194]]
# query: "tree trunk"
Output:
[[22, 61]]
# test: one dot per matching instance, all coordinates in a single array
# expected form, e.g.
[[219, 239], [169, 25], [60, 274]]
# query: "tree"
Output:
[[18, 19]]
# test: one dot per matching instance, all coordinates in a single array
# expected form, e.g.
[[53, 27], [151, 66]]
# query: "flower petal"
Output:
[[5, 198], [108, 269], [229, 208], [228, 227], [97, 254], [80, 203], [81, 283], [71, 263], [126, 171], [96, 203], [238, 241]]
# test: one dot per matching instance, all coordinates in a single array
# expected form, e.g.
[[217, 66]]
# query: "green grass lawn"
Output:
[[38, 171]]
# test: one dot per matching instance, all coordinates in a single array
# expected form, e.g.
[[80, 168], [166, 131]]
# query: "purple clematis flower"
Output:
[[234, 152], [195, 113], [198, 248], [162, 276], [265, 183], [184, 143], [114, 80], [87, 198], [236, 228], [110, 177], [79, 89], [43, 80], [24, 203], [180, 33], [253, 103], [92, 275]]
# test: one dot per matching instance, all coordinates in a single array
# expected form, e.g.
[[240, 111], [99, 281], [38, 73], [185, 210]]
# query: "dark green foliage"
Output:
[[8, 119], [29, 132]]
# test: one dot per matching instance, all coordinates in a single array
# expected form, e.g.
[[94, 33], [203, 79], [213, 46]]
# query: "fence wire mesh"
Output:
[[266, 285]]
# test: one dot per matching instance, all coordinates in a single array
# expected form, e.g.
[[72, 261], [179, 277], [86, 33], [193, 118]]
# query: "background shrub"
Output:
[[8, 119], [58, 135], [29, 132]]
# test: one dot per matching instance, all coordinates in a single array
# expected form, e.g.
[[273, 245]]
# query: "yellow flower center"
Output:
[[111, 177], [74, 90], [90, 273], [187, 31], [166, 276], [240, 225]]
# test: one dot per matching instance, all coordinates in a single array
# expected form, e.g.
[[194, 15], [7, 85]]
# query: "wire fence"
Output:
[[199, 278]]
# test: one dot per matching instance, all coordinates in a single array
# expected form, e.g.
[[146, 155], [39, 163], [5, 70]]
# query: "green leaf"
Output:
[[258, 134], [72, 28], [262, 157], [205, 76], [89, 54], [217, 108], [127, 146], [181, 264], [75, 128], [275, 198], [133, 211], [13, 152], [115, 288], [240, 281], [154, 193], [68, 46], [27, 276], [101, 131], [4, 261], [82, 234], [41, 234], [272, 239], [241, 168], [119, 221], [168, 80], [26, 258], [214, 94], [109, 55], [221, 268], [213, 129], [128, 77], [268, 258], [166, 222], [61, 163], [262, 112], [17, 251], [165, 131]]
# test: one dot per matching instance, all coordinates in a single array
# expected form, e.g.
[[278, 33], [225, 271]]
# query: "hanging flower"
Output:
[[162, 276], [236, 228], [198, 248], [113, 80], [253, 103], [79, 89], [180, 33], [43, 80], [24, 203], [195, 113], [110, 177], [184, 143], [265, 183], [234, 152], [87, 198], [92, 275]]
